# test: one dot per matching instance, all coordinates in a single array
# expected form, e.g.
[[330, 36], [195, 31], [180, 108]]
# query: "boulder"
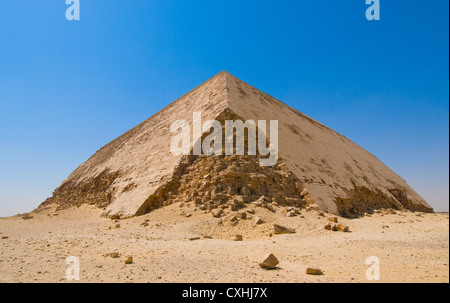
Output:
[[258, 220], [342, 227], [238, 238], [333, 219], [269, 262], [280, 229], [217, 212], [314, 271]]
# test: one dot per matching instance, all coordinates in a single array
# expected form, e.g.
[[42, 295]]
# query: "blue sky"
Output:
[[69, 87]]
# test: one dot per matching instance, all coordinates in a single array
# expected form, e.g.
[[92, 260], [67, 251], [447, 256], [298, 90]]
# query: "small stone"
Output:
[[314, 271], [242, 215], [251, 211], [216, 212], [333, 219], [238, 238], [342, 227], [328, 226], [117, 225], [114, 255], [129, 260], [194, 238], [188, 215], [258, 220], [5, 237], [269, 262], [27, 216], [279, 229]]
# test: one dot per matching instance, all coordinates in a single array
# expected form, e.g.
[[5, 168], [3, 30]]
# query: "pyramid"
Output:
[[317, 167]]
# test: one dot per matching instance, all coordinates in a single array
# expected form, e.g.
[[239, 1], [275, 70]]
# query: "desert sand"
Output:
[[179, 243]]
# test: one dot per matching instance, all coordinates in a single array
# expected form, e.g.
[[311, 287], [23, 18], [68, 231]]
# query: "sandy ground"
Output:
[[411, 247]]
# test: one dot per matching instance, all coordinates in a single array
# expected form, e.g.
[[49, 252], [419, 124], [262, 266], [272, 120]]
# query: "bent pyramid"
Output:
[[136, 172]]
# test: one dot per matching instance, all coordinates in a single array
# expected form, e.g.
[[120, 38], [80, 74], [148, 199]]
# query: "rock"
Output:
[[291, 213], [270, 207], [238, 238], [279, 229], [216, 212], [334, 227], [129, 260], [304, 192], [251, 211], [194, 238], [117, 225], [242, 215], [115, 217], [322, 214], [27, 216], [314, 271], [258, 220], [333, 219], [269, 262], [114, 255], [5, 237], [313, 205], [188, 215], [342, 227], [239, 201], [328, 226]]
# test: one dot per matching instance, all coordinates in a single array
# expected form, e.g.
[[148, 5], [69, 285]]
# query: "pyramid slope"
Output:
[[123, 175], [330, 165], [136, 164]]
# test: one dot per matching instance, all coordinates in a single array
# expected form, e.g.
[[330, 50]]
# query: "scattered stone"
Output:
[[242, 215], [279, 229], [238, 238], [269, 262], [304, 192], [114, 255], [217, 212], [342, 227], [334, 227], [27, 216], [333, 219], [129, 260], [258, 220], [117, 225], [328, 226], [314, 271], [322, 214], [194, 238], [188, 215], [251, 211], [5, 237]]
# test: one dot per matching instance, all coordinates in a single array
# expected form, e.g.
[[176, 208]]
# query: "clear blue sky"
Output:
[[68, 88]]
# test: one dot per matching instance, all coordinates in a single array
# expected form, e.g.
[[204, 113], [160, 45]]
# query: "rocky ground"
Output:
[[179, 244]]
